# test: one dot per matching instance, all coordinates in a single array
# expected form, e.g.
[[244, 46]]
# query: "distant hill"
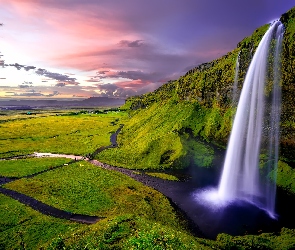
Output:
[[90, 102]]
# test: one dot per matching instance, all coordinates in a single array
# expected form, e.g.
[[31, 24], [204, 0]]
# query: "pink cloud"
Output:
[[63, 31], [134, 84]]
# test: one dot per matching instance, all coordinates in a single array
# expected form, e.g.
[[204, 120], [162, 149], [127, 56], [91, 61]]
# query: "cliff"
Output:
[[171, 126]]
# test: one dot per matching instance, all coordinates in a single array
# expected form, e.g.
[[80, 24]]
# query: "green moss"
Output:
[[285, 177], [163, 176], [285, 240], [199, 152]]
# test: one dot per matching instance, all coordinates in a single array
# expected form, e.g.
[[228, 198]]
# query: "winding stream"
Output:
[[236, 219]]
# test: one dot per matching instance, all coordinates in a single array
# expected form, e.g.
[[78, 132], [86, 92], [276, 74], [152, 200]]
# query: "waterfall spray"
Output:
[[256, 127]]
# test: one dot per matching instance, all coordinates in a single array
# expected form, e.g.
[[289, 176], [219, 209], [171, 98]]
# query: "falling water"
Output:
[[256, 126], [235, 94]]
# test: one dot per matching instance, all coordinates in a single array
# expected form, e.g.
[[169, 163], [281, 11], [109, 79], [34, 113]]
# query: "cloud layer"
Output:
[[118, 48]]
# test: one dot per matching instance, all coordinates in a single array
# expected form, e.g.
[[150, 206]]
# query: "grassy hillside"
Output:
[[137, 217], [170, 126]]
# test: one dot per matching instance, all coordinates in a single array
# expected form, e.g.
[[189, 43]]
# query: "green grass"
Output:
[[282, 241], [130, 232], [131, 210], [22, 227], [86, 189], [25, 228], [162, 136], [73, 134], [28, 166], [163, 176]]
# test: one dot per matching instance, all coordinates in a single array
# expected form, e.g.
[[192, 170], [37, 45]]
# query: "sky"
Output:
[[117, 48]]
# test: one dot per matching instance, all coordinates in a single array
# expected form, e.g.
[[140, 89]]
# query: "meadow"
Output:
[[134, 216], [29, 166], [127, 206], [72, 133]]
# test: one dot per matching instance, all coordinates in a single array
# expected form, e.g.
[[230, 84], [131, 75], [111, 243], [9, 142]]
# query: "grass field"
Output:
[[28, 166], [136, 216], [86, 189], [10, 115], [23, 228], [69, 134]]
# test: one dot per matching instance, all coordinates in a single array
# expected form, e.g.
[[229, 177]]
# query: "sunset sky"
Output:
[[83, 48]]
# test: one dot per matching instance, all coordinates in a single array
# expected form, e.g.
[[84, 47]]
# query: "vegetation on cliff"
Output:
[[168, 127]]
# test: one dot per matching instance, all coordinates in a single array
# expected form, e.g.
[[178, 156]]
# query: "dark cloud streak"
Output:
[[56, 76], [43, 72], [132, 44]]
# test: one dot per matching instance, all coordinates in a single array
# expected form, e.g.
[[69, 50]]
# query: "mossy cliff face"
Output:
[[288, 86], [199, 105]]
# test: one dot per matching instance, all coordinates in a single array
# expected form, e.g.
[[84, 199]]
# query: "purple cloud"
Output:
[[127, 43]]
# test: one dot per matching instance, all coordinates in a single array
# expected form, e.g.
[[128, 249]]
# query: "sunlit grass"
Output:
[[87, 189], [24, 167], [128, 206], [23, 227], [285, 177], [72, 134], [156, 138], [163, 176]]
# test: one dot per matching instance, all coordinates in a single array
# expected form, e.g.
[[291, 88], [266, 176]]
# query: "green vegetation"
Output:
[[10, 115], [69, 134], [286, 177], [156, 138], [130, 232], [288, 87], [23, 228], [172, 127], [28, 166], [137, 217], [86, 189], [168, 127], [163, 176], [285, 240], [131, 210]]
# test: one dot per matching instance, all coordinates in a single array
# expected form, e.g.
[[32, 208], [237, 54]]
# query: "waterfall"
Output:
[[255, 131], [235, 95]]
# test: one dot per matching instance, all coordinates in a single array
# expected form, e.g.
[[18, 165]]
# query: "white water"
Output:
[[240, 178], [235, 95]]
